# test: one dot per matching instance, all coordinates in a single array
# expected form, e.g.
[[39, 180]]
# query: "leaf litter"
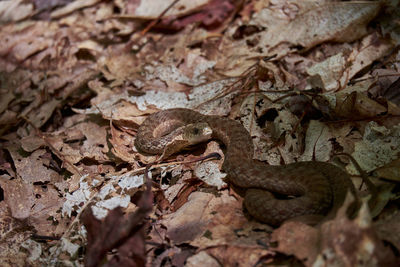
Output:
[[309, 80]]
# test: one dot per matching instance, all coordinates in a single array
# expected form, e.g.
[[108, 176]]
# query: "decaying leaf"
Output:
[[8, 8], [209, 13], [340, 242], [390, 171], [357, 105], [349, 243], [388, 229], [378, 147], [13, 233], [118, 231], [306, 28], [334, 72], [307, 79], [317, 144]]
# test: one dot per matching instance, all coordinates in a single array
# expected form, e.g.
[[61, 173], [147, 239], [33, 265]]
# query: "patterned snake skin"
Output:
[[315, 188]]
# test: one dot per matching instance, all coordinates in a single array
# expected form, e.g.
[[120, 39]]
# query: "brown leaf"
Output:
[[125, 233], [241, 256], [211, 16], [13, 233], [44, 215], [74, 5], [187, 223], [82, 140], [291, 234], [347, 22], [388, 229], [357, 105], [42, 5], [339, 242], [390, 171], [34, 168], [19, 197], [6, 96], [184, 193], [123, 143], [152, 9], [392, 92], [14, 11], [349, 243]]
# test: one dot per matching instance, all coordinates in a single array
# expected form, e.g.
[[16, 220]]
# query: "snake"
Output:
[[271, 194]]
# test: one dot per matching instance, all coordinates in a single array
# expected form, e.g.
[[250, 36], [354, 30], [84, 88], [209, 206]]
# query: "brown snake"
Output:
[[315, 188]]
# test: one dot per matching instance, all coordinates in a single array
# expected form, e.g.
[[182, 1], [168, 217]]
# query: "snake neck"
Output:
[[247, 172], [239, 162], [233, 135]]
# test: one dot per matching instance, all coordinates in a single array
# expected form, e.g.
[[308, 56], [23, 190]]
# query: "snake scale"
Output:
[[272, 194]]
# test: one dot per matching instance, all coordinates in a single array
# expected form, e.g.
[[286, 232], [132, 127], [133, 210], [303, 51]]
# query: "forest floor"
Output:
[[309, 80]]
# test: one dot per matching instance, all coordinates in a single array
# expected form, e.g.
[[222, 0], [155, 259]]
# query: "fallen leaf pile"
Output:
[[310, 80]]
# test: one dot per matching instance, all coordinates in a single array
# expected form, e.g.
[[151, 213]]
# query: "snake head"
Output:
[[196, 133], [188, 135]]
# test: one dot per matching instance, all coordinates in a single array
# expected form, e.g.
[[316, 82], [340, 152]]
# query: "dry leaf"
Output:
[[340, 242], [14, 10], [390, 171], [378, 147], [106, 61]]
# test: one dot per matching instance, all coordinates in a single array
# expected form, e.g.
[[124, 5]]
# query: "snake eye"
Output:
[[196, 130]]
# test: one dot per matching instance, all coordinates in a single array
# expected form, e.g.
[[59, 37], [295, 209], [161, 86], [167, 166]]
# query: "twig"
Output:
[[371, 187], [154, 22]]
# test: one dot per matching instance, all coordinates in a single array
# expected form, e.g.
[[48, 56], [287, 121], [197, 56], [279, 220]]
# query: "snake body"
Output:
[[315, 188]]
